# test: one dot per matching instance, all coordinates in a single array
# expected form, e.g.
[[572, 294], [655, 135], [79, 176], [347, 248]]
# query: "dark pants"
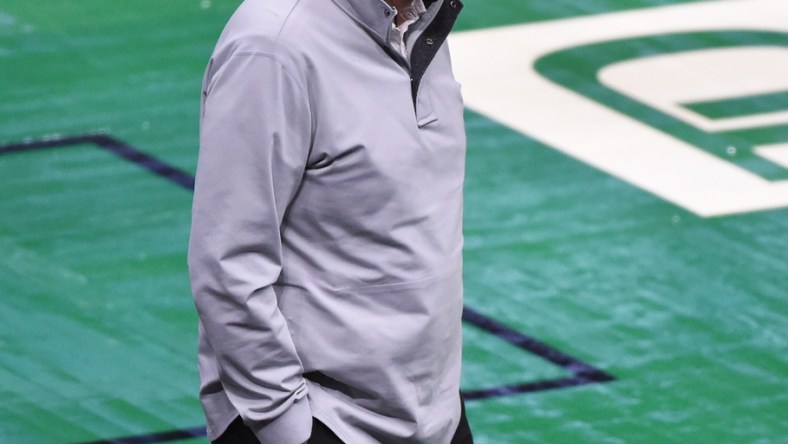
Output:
[[239, 433]]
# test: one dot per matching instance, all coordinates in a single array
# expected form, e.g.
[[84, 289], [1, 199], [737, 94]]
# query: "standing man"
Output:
[[326, 245]]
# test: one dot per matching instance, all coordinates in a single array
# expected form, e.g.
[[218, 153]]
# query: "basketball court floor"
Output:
[[626, 226]]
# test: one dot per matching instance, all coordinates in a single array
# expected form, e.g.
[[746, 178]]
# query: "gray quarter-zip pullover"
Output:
[[326, 246]]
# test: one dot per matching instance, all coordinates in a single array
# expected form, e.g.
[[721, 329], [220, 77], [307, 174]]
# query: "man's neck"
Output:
[[400, 5]]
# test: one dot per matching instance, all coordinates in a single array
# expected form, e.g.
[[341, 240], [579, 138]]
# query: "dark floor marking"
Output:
[[115, 147], [580, 372], [174, 435]]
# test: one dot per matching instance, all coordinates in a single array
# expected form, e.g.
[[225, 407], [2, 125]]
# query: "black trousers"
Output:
[[239, 433]]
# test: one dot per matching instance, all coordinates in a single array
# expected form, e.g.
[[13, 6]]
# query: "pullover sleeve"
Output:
[[255, 135]]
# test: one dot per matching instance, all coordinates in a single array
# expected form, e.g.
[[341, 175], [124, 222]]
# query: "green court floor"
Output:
[[599, 309]]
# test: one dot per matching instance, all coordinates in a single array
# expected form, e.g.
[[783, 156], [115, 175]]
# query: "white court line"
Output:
[[777, 153], [666, 82], [496, 68]]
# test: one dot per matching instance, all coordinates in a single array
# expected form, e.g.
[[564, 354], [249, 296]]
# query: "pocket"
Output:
[[399, 341], [425, 112]]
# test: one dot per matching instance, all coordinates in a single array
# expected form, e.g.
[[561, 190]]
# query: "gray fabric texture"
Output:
[[326, 247]]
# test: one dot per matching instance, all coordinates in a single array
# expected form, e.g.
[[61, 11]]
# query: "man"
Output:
[[326, 244]]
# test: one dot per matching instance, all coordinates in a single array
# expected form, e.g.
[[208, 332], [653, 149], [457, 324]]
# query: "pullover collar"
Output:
[[377, 16]]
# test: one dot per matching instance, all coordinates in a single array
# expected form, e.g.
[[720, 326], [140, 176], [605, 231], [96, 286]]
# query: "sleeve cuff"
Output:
[[294, 426]]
